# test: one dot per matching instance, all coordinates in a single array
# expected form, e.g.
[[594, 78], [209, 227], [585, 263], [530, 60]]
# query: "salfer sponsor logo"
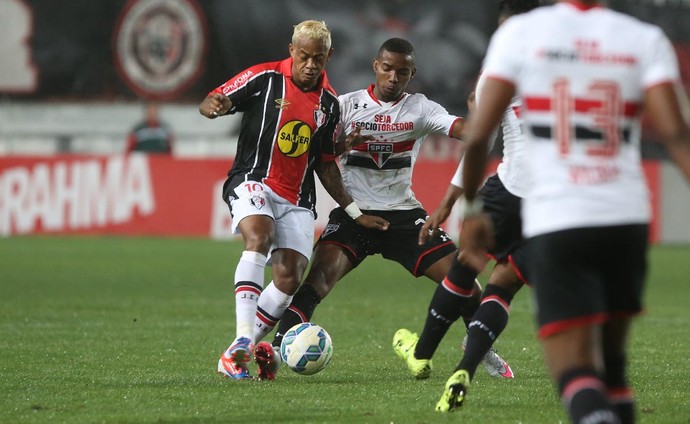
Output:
[[294, 138]]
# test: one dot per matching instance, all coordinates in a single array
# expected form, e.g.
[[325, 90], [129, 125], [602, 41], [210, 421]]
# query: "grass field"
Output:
[[122, 330]]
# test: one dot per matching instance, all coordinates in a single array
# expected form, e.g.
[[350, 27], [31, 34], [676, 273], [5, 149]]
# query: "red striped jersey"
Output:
[[378, 174], [284, 130], [581, 72]]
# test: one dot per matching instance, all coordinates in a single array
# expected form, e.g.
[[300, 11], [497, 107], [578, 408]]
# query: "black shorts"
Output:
[[585, 276], [504, 209], [399, 243]]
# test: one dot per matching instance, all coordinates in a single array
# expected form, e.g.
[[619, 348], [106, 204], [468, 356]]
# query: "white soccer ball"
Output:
[[306, 348]]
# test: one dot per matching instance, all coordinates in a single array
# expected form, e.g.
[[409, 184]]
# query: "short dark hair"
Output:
[[515, 7], [397, 45]]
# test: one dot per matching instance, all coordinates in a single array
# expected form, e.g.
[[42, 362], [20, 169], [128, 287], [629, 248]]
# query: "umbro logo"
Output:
[[281, 103]]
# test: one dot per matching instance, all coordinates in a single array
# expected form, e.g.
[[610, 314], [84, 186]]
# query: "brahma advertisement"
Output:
[[126, 194]]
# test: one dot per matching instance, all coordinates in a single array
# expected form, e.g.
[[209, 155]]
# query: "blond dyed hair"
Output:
[[312, 30]]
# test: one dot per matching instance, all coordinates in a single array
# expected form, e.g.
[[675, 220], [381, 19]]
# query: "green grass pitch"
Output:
[[129, 330]]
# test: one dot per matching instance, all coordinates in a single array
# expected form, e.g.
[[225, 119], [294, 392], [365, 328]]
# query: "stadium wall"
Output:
[[141, 194]]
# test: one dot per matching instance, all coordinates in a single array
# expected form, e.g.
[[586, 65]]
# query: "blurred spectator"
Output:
[[151, 135]]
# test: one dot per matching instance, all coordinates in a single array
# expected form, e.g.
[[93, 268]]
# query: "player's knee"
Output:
[[258, 242], [505, 277], [288, 284], [323, 276]]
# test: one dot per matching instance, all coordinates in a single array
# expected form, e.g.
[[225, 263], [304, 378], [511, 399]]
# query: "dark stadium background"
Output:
[[72, 41]]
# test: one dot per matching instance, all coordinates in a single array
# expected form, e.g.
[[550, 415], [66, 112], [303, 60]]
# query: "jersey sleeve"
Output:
[[457, 177], [345, 111], [244, 86], [504, 55], [328, 134], [662, 64], [437, 118]]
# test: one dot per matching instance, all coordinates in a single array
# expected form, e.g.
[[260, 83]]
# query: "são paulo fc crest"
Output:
[[380, 152], [160, 46], [330, 229]]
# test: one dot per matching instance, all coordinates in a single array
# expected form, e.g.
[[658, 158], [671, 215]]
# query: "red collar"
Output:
[[370, 90], [582, 6]]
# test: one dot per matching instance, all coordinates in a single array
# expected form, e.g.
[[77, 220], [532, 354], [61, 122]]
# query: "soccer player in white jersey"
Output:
[[584, 73], [502, 194], [378, 174]]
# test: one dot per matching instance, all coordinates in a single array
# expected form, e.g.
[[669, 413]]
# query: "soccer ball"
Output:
[[306, 348]]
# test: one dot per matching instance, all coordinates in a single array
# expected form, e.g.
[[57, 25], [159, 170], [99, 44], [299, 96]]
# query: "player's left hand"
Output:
[[476, 238], [372, 222]]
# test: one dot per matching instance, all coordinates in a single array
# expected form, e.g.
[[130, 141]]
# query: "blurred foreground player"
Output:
[[584, 74]]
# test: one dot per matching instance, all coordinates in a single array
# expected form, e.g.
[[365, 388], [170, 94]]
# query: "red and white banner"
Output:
[[127, 194], [141, 194]]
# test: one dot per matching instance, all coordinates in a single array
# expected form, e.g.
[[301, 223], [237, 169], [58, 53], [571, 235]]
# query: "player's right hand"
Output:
[[433, 224], [214, 105], [356, 138], [372, 222]]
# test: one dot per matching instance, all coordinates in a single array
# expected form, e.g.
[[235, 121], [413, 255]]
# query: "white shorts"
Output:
[[294, 224]]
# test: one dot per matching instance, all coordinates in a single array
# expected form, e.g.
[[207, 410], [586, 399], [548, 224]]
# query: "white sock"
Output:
[[249, 280], [272, 305]]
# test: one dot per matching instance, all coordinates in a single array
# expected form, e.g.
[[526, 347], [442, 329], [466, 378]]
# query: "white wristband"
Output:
[[353, 210], [472, 207]]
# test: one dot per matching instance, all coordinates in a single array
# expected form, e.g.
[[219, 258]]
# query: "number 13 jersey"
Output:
[[581, 72]]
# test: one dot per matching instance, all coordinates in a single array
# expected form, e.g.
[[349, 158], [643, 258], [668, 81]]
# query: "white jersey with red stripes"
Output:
[[378, 174], [581, 72], [511, 169]]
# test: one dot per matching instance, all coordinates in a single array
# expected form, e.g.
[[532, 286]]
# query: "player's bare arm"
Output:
[[332, 181], [439, 216], [215, 105], [668, 109], [346, 142], [477, 232]]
